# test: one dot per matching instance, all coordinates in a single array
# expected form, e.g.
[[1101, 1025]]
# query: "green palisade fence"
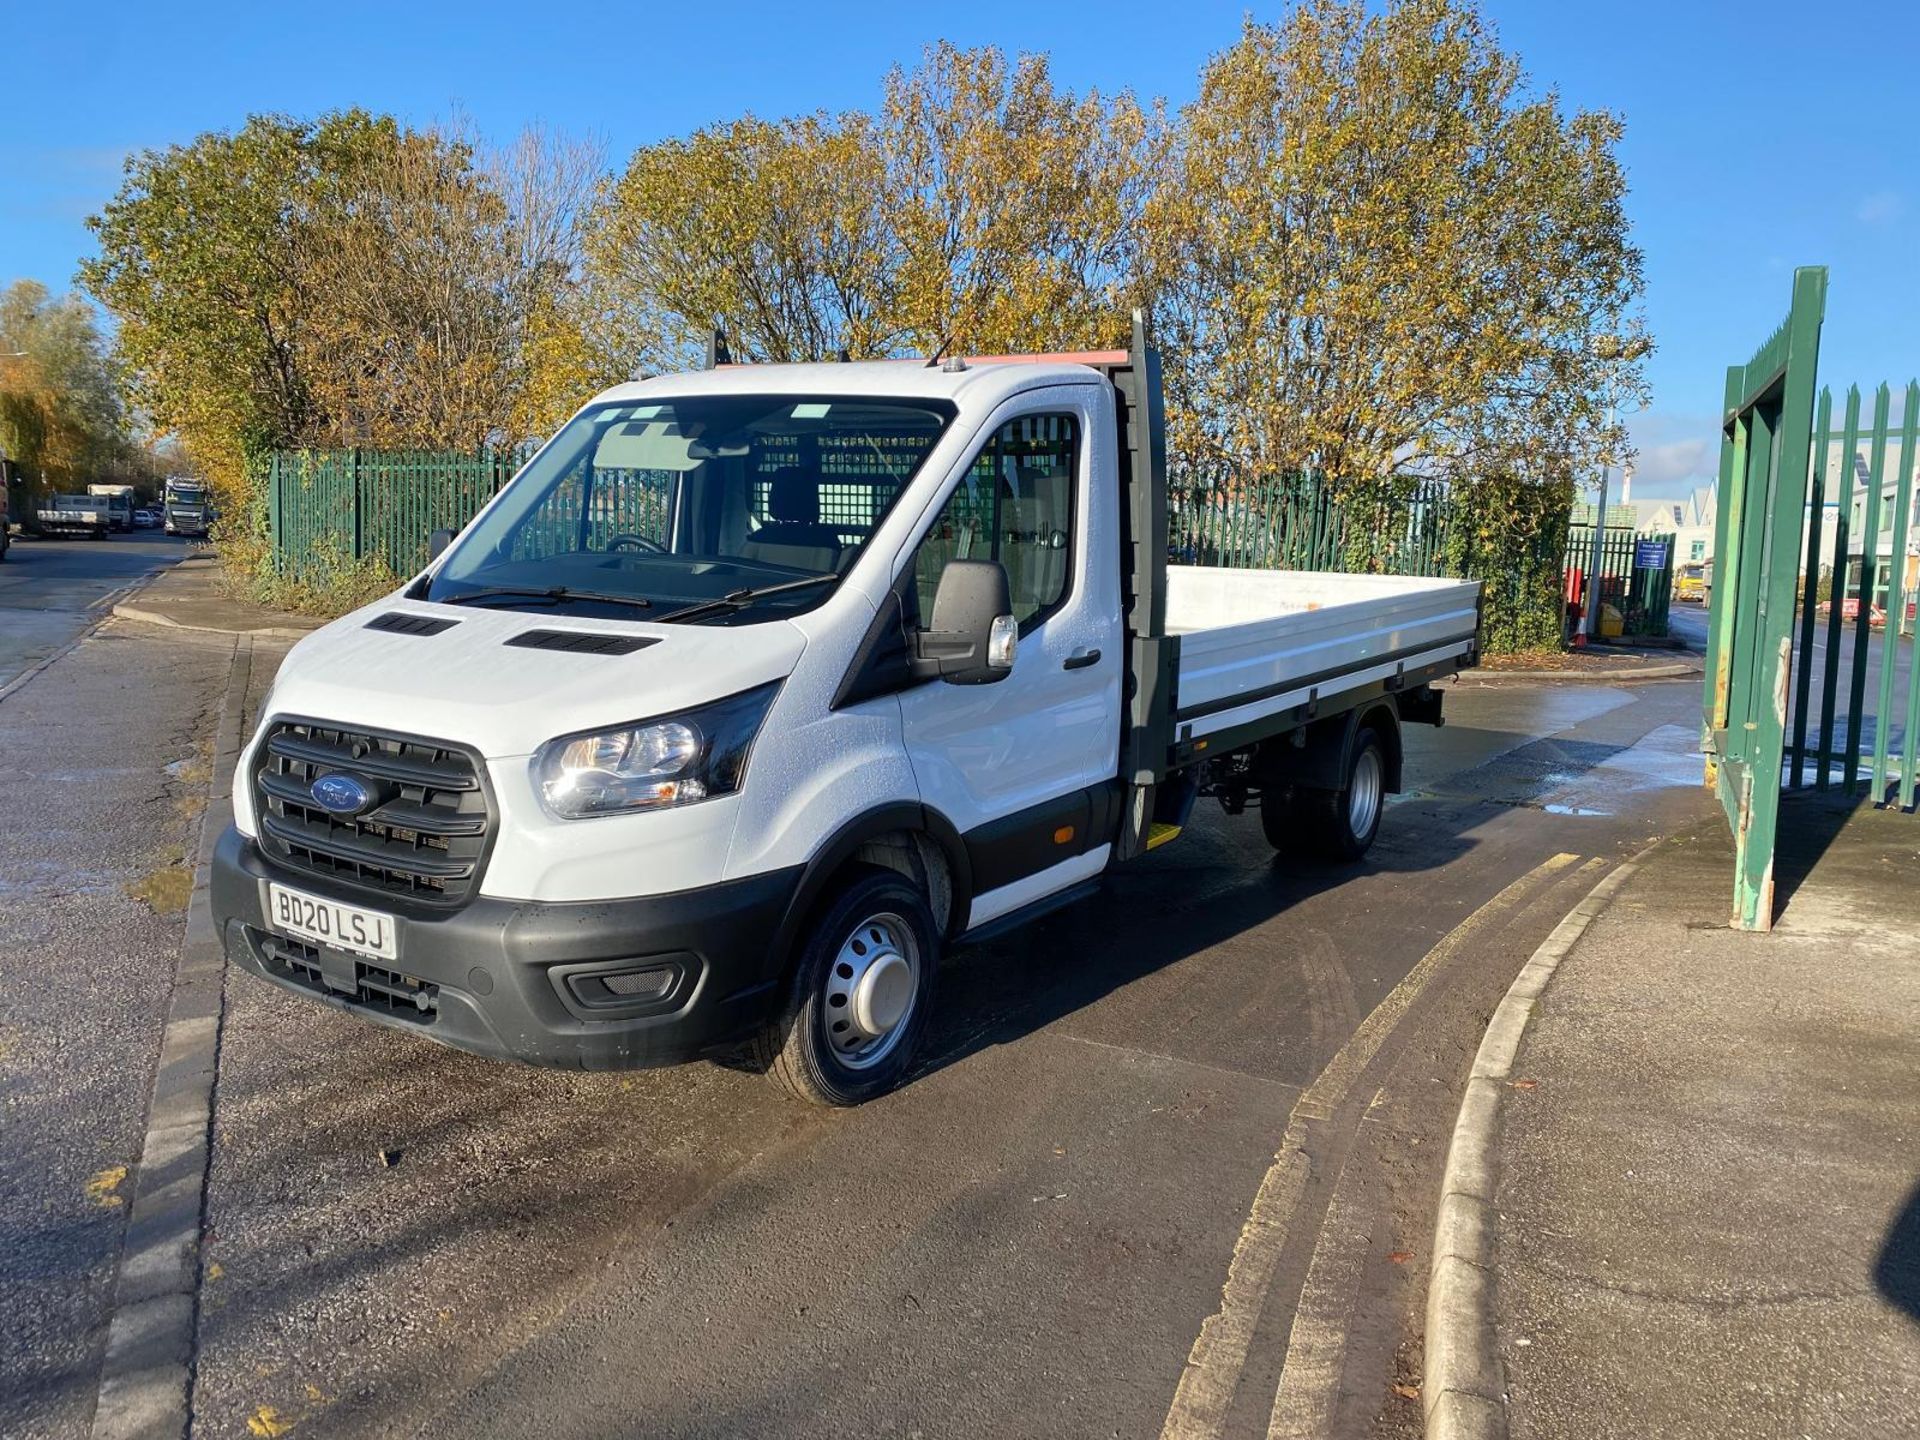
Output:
[[1859, 569], [333, 506], [1292, 523], [328, 507], [1642, 594]]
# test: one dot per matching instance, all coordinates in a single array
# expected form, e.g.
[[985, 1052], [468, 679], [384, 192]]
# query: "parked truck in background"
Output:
[[119, 500], [87, 515], [760, 688], [1690, 583], [188, 511]]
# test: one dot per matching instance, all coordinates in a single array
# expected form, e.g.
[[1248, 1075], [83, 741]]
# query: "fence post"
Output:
[[1837, 589], [1810, 585], [275, 549], [1896, 604], [353, 489]]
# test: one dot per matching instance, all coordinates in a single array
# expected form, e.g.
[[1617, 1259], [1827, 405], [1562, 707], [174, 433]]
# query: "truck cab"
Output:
[[761, 688], [185, 510], [119, 503]]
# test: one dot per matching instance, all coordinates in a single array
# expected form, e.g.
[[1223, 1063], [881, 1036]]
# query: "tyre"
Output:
[[860, 994], [1337, 825]]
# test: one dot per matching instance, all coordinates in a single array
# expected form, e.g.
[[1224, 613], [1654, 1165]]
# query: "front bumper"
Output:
[[692, 973]]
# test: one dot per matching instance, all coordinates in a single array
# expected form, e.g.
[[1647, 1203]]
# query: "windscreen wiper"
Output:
[[734, 599], [554, 593]]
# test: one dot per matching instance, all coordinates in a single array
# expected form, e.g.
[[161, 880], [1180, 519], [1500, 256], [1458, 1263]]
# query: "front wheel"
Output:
[[1337, 825], [860, 995]]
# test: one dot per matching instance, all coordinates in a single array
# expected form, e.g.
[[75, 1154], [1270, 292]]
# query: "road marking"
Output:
[[1303, 1403], [1317, 1343], [1219, 1354], [102, 1187]]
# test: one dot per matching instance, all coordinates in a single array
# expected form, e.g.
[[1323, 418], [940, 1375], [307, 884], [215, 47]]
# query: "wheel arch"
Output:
[[916, 841], [1323, 761], [1384, 717]]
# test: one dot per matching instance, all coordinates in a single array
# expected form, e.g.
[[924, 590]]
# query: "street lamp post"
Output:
[[1616, 351]]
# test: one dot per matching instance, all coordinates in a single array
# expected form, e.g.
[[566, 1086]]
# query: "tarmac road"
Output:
[[1198, 1118], [1027, 1240], [51, 590]]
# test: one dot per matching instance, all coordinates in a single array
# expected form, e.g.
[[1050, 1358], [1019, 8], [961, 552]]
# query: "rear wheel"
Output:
[[860, 994], [1338, 825]]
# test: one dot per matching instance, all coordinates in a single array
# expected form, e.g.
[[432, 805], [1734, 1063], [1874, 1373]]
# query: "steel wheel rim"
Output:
[[1363, 796], [871, 990]]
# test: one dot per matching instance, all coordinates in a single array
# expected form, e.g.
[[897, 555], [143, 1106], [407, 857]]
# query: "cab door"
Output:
[[1026, 768]]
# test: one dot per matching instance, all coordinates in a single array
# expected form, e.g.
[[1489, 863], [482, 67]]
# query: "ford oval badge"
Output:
[[340, 794]]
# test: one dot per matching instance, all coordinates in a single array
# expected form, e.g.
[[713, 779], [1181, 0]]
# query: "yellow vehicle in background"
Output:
[[1691, 583]]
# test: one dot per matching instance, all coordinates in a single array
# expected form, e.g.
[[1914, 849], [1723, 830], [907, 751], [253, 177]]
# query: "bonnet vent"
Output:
[[399, 622], [582, 642]]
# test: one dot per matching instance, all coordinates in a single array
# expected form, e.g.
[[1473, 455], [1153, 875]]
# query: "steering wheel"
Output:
[[629, 541]]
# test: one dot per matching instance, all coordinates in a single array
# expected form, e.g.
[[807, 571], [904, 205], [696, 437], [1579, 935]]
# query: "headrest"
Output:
[[793, 497]]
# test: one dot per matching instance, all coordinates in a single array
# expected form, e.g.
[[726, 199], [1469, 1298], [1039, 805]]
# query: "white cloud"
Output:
[[1680, 462], [1880, 207], [1676, 453]]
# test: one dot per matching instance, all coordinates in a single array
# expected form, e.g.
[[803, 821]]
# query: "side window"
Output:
[[1014, 505]]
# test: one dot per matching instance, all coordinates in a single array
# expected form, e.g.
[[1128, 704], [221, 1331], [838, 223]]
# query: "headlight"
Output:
[[652, 764]]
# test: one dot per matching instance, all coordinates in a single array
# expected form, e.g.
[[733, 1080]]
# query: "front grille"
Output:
[[374, 987], [423, 839]]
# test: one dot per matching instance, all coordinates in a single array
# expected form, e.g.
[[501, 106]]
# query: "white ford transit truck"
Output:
[[761, 687]]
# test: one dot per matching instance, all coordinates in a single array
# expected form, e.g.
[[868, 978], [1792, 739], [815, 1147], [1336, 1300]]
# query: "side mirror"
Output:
[[972, 638], [437, 543]]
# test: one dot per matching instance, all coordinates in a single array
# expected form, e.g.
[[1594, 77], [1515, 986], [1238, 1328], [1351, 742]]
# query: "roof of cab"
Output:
[[985, 382]]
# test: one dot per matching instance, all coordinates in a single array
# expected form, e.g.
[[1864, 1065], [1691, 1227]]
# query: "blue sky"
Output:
[[1754, 141]]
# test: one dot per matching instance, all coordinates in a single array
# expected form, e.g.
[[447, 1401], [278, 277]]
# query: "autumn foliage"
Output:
[[1369, 248]]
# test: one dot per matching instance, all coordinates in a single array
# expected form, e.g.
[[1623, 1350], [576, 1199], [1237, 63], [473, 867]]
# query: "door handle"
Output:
[[1080, 659]]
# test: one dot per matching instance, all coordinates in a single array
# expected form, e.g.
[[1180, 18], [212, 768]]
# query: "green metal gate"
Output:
[[1859, 601], [1765, 464]]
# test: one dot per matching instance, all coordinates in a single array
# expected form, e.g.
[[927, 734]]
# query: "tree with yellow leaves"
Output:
[[980, 206], [1377, 254], [61, 420]]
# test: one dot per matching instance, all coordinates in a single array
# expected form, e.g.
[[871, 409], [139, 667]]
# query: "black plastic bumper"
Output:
[[595, 985]]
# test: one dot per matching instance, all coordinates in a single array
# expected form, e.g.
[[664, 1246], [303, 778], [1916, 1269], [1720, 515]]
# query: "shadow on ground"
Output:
[[1896, 1274]]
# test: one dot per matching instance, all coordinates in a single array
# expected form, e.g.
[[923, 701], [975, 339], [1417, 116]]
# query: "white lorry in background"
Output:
[[187, 509], [761, 688], [119, 500], [87, 515]]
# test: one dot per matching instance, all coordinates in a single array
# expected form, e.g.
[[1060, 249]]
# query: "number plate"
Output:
[[328, 922]]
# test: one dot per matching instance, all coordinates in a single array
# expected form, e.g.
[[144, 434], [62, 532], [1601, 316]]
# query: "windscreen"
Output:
[[648, 508]]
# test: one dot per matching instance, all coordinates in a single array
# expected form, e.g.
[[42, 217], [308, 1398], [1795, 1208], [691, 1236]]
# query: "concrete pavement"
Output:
[[191, 597], [1708, 1201]]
